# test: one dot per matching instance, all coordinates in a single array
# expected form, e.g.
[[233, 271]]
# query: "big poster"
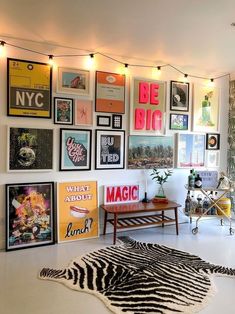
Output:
[[29, 88], [78, 216], [147, 112]]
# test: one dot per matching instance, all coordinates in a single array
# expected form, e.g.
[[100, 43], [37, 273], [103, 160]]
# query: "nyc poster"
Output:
[[78, 216]]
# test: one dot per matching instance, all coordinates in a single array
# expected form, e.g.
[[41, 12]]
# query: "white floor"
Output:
[[22, 293]]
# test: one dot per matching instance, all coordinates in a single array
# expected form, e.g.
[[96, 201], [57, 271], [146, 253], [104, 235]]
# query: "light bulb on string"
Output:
[[90, 61], [185, 78], [126, 69], [156, 72], [2, 48], [51, 60]]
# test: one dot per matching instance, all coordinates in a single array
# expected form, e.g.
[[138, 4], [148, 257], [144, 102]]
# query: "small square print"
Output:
[[117, 121], [212, 141]]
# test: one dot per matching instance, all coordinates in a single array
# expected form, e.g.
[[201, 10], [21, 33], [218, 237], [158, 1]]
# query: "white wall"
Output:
[[174, 188]]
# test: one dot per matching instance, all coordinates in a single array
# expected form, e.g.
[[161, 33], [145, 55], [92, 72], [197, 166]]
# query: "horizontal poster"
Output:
[[29, 88], [77, 210]]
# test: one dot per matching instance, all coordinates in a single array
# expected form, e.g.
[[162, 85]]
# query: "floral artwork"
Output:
[[63, 111]]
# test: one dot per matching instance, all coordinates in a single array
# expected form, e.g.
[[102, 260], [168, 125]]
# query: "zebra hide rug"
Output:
[[138, 278]]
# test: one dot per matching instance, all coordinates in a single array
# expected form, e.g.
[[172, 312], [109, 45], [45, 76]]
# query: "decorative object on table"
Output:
[[116, 121], [179, 96], [161, 179], [146, 152], [83, 112], [77, 213], [212, 141], [186, 277], [63, 110], [190, 150], [75, 149], [110, 92], [198, 181], [103, 121], [29, 215], [30, 149], [178, 122], [148, 107], [73, 81], [224, 182], [115, 194], [110, 149], [205, 108], [29, 88]]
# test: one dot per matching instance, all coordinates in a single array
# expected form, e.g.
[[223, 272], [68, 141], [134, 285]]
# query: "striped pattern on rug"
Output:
[[140, 278]]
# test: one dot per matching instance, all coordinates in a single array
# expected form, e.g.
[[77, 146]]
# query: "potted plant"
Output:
[[160, 178]]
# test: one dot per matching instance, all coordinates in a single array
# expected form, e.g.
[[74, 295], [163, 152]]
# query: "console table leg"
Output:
[[162, 218], [115, 228], [105, 222], [176, 220]]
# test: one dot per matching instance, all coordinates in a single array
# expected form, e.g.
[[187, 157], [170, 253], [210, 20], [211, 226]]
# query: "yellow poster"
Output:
[[78, 215], [29, 88]]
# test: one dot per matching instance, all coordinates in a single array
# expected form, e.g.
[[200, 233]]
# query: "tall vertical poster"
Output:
[[78, 216]]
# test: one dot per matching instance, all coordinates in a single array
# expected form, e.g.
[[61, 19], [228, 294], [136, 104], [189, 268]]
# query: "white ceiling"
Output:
[[194, 35]]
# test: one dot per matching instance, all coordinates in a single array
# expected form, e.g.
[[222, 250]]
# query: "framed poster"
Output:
[[83, 112], [147, 152], [75, 149], [103, 121], [28, 88], [179, 96], [110, 92], [63, 110], [212, 141], [116, 194], [110, 146], [29, 149], [73, 81], [147, 110], [78, 216], [178, 122], [29, 215], [116, 121], [212, 158], [205, 109], [190, 150]]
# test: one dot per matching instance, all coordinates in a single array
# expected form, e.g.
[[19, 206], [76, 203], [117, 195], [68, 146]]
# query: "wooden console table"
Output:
[[124, 209]]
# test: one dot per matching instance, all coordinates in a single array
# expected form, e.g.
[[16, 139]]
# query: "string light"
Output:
[[90, 61], [2, 44], [51, 61]]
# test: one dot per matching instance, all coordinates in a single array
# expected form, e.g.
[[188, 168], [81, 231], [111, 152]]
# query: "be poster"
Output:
[[29, 88], [78, 216], [147, 111]]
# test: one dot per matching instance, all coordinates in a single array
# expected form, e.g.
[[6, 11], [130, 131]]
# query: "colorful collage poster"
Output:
[[78, 216]]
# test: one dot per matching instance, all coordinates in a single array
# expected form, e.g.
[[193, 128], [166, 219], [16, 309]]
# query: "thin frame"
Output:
[[73, 81], [83, 112], [26, 152], [110, 92], [39, 104], [103, 121], [179, 96], [212, 158], [117, 121], [63, 110], [177, 123], [113, 155], [24, 202], [212, 141], [75, 149]]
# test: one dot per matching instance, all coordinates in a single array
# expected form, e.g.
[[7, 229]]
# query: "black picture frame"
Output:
[[179, 96], [75, 149], [110, 149], [63, 110], [212, 141], [38, 84], [30, 215], [178, 122], [116, 121], [104, 121]]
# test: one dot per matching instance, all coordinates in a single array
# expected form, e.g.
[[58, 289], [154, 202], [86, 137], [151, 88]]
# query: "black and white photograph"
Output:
[[179, 98]]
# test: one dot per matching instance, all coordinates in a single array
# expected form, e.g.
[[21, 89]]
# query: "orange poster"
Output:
[[78, 216]]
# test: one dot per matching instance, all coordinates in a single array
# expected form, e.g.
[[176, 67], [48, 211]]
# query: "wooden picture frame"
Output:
[[63, 110], [178, 122], [110, 92], [110, 150], [30, 216], [212, 141], [179, 96], [28, 94], [73, 81], [75, 149], [29, 149], [103, 121]]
